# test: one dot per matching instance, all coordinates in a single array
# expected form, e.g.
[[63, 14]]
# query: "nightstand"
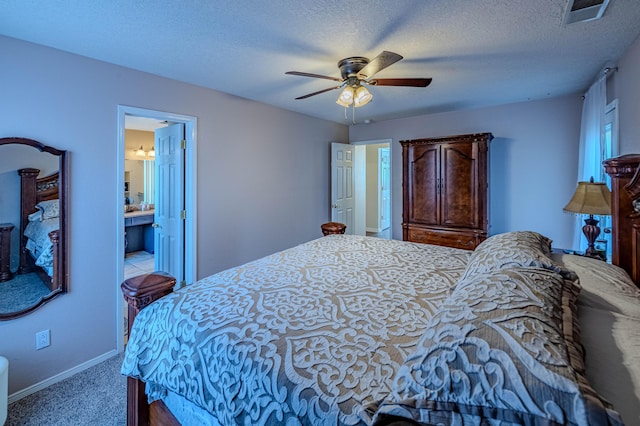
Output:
[[333, 228], [5, 251], [575, 253]]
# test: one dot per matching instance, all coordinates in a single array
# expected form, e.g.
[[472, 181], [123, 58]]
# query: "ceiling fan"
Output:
[[356, 71]]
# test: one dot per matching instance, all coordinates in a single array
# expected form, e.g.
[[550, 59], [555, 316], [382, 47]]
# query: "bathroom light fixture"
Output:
[[152, 153], [140, 152]]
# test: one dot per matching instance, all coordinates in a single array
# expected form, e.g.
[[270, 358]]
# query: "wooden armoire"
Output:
[[625, 212], [445, 190]]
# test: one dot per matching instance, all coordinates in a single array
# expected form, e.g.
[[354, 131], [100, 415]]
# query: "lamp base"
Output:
[[591, 231]]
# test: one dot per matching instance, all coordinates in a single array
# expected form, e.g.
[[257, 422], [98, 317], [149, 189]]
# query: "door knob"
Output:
[[155, 225], [334, 206]]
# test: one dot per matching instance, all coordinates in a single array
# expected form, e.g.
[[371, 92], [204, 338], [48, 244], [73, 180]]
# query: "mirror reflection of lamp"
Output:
[[592, 198]]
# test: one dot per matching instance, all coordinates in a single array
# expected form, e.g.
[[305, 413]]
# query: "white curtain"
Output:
[[591, 145]]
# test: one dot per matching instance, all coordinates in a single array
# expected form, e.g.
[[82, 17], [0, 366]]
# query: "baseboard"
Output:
[[374, 230], [60, 376]]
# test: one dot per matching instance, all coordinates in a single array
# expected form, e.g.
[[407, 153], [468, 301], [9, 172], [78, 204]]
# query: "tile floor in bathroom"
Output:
[[136, 263]]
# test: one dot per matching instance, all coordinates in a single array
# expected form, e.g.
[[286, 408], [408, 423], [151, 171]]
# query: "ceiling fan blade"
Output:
[[318, 92], [379, 63], [412, 82], [306, 74]]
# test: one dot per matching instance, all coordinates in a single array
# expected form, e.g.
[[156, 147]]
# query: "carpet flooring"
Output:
[[95, 397], [21, 292]]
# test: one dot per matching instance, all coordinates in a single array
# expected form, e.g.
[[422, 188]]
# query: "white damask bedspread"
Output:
[[309, 335], [39, 243]]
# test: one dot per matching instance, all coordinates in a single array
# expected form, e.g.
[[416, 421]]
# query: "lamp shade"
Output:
[[362, 97], [346, 96], [590, 198]]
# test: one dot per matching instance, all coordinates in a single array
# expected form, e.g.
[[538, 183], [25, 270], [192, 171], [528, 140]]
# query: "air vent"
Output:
[[584, 10]]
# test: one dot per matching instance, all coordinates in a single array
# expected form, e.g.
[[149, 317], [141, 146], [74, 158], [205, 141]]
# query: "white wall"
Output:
[[627, 89], [263, 186], [533, 160]]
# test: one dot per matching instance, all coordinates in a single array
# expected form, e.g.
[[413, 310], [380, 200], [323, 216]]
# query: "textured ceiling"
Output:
[[478, 52]]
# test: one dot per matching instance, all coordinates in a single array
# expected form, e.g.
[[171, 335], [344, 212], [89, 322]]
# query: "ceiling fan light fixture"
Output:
[[357, 70], [346, 96], [362, 97]]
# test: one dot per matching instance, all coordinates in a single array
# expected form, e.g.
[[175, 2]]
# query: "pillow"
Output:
[[503, 348], [35, 216], [605, 286], [512, 249], [49, 208]]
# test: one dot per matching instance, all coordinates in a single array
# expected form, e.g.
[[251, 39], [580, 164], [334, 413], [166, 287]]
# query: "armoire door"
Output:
[[424, 174], [459, 185]]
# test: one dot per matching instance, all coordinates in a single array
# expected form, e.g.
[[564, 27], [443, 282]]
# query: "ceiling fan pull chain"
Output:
[[353, 113]]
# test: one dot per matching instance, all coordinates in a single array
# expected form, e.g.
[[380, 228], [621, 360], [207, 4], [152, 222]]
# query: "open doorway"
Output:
[[148, 141], [378, 190], [361, 187], [139, 194]]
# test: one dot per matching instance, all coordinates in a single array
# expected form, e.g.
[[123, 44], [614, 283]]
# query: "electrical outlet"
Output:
[[43, 339]]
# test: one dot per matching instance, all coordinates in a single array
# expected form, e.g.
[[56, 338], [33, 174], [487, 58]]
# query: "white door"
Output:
[[169, 197], [384, 180], [342, 184]]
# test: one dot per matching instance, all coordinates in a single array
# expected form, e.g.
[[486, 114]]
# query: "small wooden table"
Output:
[[5, 251], [577, 253], [333, 228]]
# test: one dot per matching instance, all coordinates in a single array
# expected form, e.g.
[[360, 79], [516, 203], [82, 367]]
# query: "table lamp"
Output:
[[590, 198]]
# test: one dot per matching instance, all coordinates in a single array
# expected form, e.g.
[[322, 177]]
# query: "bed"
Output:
[[357, 331], [39, 225]]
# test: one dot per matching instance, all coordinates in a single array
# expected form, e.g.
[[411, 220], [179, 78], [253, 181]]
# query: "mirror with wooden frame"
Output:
[[33, 223]]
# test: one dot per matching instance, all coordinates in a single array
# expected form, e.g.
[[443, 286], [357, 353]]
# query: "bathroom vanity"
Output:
[[138, 229]]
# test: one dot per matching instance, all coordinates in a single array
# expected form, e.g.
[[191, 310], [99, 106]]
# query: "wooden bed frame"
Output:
[[625, 192], [32, 191], [625, 176]]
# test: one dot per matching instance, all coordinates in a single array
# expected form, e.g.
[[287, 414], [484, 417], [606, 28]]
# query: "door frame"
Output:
[[190, 236], [381, 206]]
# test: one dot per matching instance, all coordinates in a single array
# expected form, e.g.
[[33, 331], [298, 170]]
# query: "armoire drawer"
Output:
[[461, 240]]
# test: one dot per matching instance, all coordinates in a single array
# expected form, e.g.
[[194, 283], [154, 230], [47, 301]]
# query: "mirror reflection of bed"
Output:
[[31, 237]]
